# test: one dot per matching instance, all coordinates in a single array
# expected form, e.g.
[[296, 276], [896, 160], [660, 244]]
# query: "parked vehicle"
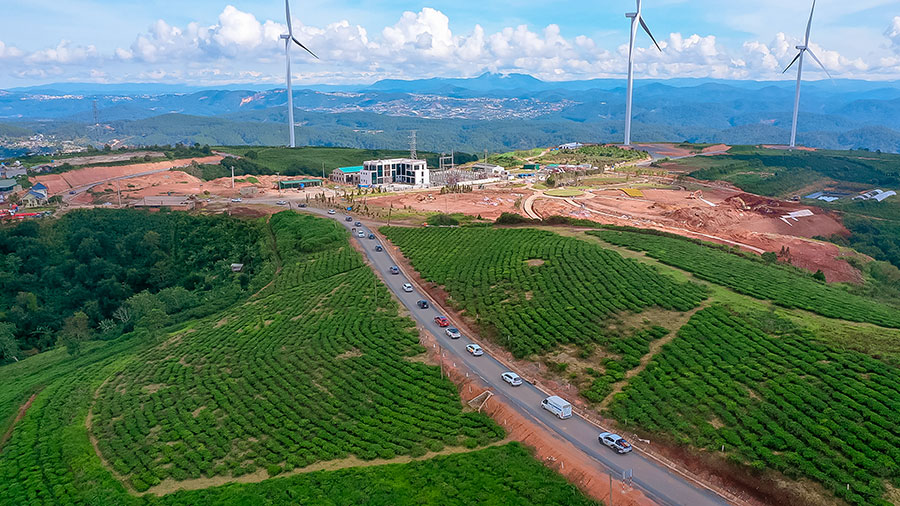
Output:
[[442, 321], [303, 205], [453, 333], [331, 211], [475, 350], [558, 406], [511, 378], [358, 224], [360, 234], [423, 304], [395, 269], [378, 247], [237, 200], [281, 203], [347, 218], [615, 441], [371, 236], [407, 287]]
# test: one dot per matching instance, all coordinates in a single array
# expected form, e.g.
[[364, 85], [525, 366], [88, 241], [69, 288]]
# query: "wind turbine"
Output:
[[636, 19], [288, 38], [799, 61]]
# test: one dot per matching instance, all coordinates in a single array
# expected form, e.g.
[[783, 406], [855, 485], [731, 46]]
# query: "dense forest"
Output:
[[102, 272]]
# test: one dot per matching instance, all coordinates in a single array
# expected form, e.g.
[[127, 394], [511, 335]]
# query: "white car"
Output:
[[281, 203], [453, 333], [511, 378], [407, 287], [615, 441], [237, 200], [361, 234], [331, 211], [475, 350]]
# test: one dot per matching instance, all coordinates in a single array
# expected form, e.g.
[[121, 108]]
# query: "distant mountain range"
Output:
[[494, 112]]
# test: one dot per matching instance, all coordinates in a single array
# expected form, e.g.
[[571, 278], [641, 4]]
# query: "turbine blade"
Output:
[[809, 25], [287, 16], [792, 62], [304, 47], [644, 26], [820, 63]]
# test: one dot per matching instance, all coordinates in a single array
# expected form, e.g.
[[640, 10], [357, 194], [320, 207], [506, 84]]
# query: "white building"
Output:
[[398, 170]]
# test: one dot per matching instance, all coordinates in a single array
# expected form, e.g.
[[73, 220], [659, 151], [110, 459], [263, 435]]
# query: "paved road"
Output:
[[657, 482]]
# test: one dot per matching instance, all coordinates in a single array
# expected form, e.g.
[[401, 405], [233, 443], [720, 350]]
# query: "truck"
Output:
[[558, 406]]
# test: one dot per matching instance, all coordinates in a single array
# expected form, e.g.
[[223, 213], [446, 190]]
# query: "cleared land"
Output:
[[61, 183]]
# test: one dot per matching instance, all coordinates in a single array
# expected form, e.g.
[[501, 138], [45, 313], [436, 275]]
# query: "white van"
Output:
[[558, 406]]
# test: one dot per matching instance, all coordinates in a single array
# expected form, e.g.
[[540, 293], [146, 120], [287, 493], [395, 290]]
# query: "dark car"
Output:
[[302, 205], [358, 224], [395, 269], [348, 219], [378, 247], [371, 236], [423, 304]]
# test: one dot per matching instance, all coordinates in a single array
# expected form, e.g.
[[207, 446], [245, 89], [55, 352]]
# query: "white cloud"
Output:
[[893, 34], [240, 46], [63, 53], [9, 51]]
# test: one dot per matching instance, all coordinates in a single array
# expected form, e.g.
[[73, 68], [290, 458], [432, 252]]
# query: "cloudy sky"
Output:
[[206, 42]]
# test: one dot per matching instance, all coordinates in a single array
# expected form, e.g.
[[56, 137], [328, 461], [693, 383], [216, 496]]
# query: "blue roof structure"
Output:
[[350, 170]]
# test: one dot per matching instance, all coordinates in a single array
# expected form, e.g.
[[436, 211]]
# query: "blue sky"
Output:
[[210, 42]]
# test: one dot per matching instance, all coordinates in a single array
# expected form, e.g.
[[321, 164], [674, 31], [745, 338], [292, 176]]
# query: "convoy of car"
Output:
[[554, 404]]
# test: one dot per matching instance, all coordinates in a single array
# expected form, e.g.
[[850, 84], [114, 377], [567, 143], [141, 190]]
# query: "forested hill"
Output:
[[98, 273]]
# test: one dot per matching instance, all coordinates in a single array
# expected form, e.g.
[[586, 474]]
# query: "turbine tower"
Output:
[[636, 19], [288, 38], [799, 61]]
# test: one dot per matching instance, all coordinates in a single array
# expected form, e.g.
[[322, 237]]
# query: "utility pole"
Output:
[[232, 177]]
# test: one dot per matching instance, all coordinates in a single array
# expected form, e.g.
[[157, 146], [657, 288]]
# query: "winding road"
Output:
[[657, 482]]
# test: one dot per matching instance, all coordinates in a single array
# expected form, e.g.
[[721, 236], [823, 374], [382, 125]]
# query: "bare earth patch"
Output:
[[169, 485], [535, 262], [153, 387], [349, 354], [19, 417]]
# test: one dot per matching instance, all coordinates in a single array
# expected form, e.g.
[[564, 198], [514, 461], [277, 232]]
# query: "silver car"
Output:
[[615, 441], [511, 378]]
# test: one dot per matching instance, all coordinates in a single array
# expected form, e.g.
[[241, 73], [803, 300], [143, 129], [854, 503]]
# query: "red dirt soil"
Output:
[[749, 220], [490, 204], [61, 183]]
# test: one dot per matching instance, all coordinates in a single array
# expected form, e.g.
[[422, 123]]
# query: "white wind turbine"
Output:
[[799, 60], [636, 19], [288, 38]]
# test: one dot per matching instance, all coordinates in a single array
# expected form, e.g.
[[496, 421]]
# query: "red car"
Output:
[[442, 321]]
